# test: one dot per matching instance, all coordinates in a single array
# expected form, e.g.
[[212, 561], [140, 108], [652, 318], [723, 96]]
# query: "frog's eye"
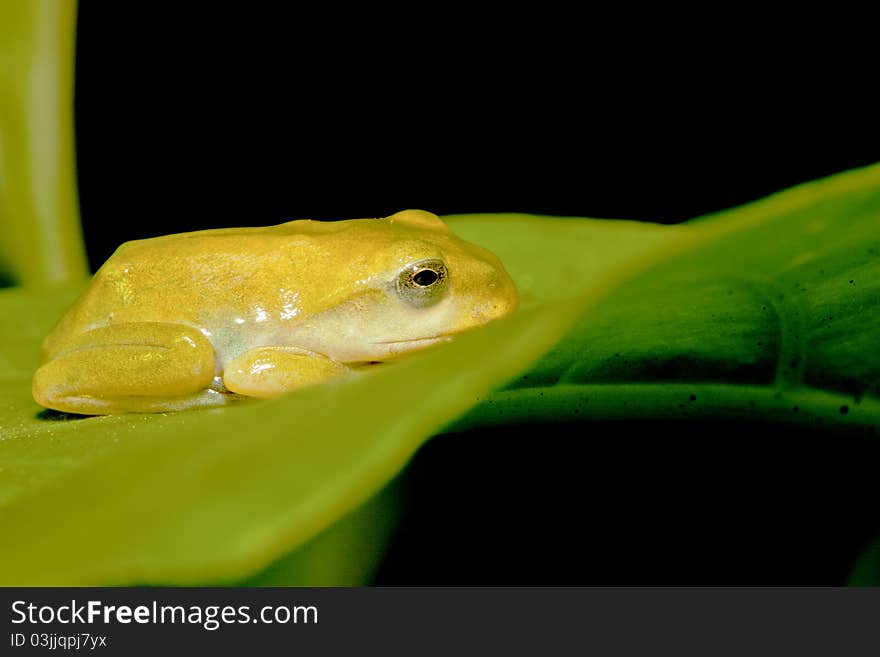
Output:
[[423, 283]]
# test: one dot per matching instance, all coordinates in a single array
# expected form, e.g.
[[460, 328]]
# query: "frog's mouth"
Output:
[[427, 338], [391, 348]]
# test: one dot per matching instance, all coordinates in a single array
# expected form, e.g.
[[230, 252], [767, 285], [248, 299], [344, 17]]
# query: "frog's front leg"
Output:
[[131, 367], [270, 371]]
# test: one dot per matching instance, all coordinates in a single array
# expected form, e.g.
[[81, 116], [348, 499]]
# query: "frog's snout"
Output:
[[504, 299], [495, 296]]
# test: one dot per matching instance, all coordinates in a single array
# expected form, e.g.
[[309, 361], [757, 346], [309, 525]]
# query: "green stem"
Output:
[[40, 235]]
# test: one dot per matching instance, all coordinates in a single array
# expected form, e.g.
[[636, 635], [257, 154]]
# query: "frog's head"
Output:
[[411, 283]]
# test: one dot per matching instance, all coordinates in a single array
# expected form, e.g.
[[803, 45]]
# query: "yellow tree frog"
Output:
[[189, 320]]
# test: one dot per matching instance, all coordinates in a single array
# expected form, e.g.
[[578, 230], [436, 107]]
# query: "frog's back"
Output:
[[188, 278]]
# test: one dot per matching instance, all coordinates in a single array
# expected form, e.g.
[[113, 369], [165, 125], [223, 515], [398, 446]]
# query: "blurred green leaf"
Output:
[[40, 237], [732, 310]]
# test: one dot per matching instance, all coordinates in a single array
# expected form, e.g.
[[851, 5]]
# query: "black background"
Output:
[[200, 118]]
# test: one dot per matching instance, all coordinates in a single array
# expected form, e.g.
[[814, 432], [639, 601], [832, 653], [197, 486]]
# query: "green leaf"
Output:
[[770, 313], [348, 553], [40, 235], [219, 495]]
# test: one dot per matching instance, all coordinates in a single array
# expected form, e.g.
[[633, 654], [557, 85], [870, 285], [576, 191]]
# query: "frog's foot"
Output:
[[271, 371], [126, 368], [142, 404]]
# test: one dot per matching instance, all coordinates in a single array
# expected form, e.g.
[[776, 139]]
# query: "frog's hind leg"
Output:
[[132, 367]]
